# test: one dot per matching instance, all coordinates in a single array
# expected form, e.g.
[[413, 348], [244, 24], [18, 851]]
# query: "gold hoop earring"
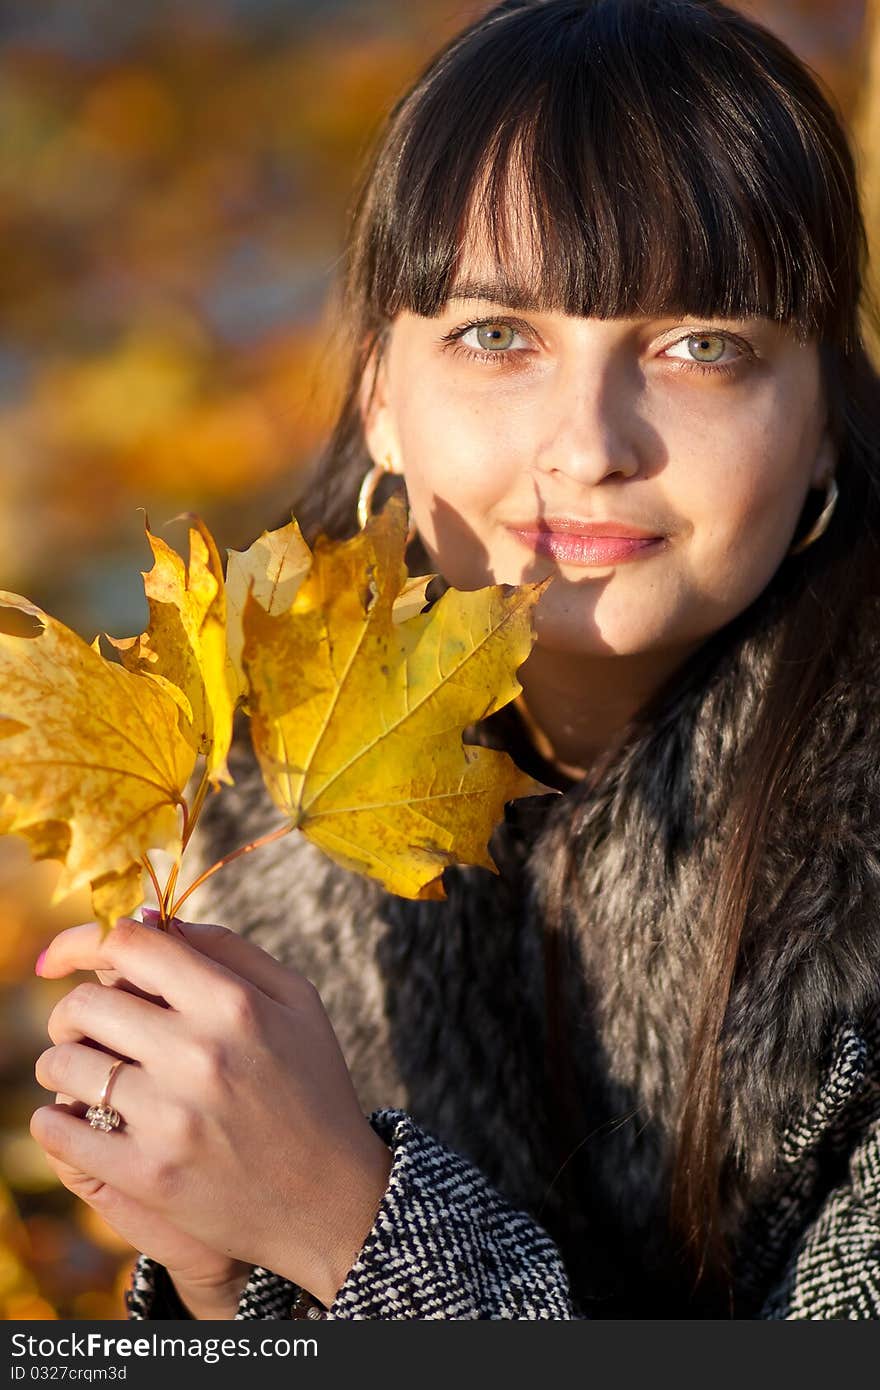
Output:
[[822, 520], [367, 490]]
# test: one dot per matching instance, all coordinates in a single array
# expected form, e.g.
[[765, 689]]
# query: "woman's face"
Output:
[[705, 433]]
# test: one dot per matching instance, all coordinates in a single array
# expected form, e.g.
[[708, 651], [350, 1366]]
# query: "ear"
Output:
[[376, 414]]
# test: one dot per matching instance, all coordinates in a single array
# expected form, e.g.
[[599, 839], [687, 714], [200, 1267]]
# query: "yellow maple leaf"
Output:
[[411, 599], [357, 715], [92, 762], [272, 569], [184, 648]]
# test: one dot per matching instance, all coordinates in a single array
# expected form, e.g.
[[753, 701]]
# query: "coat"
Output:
[[440, 1010]]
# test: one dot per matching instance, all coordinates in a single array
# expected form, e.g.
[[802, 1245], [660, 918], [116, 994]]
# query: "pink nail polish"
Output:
[[38, 968]]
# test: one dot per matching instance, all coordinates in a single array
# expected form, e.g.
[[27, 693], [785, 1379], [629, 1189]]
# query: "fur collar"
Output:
[[644, 846]]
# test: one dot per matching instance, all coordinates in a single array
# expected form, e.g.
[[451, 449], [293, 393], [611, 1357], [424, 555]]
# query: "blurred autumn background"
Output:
[[174, 179]]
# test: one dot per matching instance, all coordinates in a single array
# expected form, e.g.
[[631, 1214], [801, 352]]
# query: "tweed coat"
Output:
[[440, 1010]]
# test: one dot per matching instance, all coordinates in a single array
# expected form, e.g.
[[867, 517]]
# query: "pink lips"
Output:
[[587, 543]]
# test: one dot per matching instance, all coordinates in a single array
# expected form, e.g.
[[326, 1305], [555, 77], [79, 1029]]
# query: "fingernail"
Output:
[[38, 968], [150, 916]]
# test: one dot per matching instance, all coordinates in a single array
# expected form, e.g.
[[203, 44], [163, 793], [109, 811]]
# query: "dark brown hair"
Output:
[[677, 157]]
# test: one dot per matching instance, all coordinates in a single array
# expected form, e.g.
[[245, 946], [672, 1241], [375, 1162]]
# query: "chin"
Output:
[[563, 638], [580, 634]]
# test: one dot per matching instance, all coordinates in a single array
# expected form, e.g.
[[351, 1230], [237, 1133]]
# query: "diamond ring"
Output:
[[102, 1115]]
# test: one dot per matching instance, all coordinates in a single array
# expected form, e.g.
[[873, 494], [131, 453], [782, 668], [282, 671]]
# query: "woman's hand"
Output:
[[207, 1280], [242, 1129]]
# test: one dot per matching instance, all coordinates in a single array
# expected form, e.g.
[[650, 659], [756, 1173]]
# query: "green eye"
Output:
[[493, 335], [706, 347]]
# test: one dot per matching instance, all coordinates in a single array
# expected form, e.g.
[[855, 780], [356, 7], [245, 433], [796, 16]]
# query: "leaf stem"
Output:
[[160, 897], [191, 820], [170, 887], [227, 859]]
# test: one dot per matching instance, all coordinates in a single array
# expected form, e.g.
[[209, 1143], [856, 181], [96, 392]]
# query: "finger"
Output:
[[113, 1205], [246, 960], [111, 977], [71, 1178], [89, 1189], [116, 981], [151, 959], [139, 1225], [112, 1157], [123, 1023], [81, 1072], [127, 1217], [79, 1107]]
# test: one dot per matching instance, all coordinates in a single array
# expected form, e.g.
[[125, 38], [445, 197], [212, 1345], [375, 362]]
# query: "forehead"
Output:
[[518, 242], [501, 255]]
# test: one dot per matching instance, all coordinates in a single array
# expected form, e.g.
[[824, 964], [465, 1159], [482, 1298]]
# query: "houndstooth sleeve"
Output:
[[444, 1244], [835, 1270]]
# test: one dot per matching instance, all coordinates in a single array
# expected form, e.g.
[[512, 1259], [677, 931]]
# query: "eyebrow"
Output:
[[501, 291], [497, 291]]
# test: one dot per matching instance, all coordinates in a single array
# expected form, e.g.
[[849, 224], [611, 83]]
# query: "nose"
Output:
[[590, 431]]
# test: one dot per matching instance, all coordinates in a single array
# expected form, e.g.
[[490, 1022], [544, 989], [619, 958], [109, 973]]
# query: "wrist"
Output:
[[348, 1212], [368, 1190], [210, 1302]]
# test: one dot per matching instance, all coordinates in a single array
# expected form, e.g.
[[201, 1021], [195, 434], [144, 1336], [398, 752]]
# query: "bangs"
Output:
[[617, 159]]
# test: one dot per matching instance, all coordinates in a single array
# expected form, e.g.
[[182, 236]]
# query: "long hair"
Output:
[[676, 157]]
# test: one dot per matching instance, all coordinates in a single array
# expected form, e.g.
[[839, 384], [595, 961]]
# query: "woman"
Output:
[[603, 283]]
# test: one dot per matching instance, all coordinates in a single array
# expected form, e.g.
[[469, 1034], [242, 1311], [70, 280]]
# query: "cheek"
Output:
[[461, 462], [743, 499]]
